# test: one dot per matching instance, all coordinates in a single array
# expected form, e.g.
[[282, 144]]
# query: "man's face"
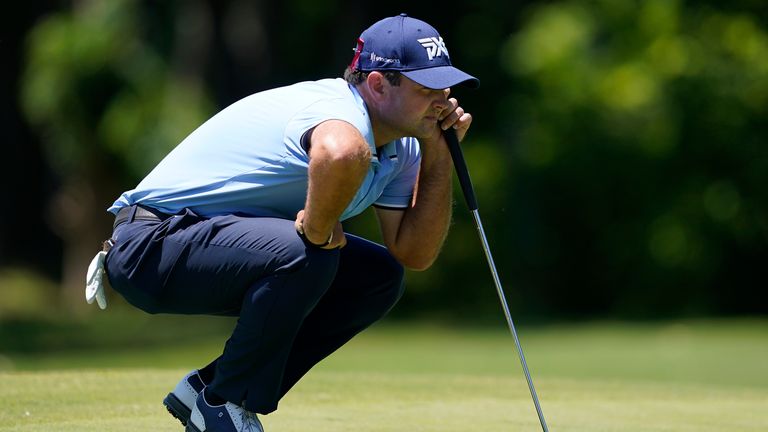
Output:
[[415, 110]]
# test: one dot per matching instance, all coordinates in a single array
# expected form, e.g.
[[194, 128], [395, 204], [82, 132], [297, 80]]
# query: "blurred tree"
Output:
[[618, 148], [110, 95], [22, 230], [640, 157]]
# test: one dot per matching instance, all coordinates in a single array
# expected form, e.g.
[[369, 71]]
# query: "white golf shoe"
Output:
[[221, 418], [182, 399]]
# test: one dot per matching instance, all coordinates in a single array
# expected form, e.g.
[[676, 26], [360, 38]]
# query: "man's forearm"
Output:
[[425, 224], [332, 184]]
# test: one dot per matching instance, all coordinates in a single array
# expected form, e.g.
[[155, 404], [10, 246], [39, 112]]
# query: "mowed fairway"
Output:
[[682, 376]]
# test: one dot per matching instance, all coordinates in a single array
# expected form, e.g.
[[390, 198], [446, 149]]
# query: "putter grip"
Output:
[[461, 168]]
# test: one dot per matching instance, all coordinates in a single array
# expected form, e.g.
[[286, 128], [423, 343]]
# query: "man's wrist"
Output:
[[303, 235]]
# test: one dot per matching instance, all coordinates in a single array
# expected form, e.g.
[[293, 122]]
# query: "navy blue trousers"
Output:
[[295, 303]]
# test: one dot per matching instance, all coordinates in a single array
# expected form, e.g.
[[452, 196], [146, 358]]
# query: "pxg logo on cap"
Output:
[[435, 47], [411, 47]]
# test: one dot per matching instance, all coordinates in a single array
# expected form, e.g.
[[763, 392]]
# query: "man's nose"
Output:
[[441, 101]]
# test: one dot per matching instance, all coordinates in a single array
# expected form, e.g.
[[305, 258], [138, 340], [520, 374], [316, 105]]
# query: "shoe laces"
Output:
[[251, 422]]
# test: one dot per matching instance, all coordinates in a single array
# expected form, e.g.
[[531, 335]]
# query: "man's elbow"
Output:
[[417, 262]]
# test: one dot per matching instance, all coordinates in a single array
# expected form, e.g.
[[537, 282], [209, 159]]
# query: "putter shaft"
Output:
[[508, 315], [469, 195]]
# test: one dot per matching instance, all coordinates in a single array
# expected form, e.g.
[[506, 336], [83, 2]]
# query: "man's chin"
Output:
[[429, 132]]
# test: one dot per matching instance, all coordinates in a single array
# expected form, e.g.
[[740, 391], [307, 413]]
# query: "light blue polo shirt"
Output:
[[248, 158]]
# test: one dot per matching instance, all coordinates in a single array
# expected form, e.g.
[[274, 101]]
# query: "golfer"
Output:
[[243, 218]]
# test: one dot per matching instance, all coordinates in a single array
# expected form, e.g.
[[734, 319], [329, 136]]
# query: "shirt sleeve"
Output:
[[398, 193], [318, 112]]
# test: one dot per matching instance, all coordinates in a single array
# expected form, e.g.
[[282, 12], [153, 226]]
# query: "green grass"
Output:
[[679, 376]]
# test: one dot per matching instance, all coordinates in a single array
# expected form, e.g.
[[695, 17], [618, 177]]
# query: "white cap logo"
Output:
[[435, 46]]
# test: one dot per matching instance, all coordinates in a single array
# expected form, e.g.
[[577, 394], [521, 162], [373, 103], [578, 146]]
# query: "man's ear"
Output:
[[377, 83]]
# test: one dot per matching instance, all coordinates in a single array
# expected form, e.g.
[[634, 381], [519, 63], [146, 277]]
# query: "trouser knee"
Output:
[[392, 286], [312, 275]]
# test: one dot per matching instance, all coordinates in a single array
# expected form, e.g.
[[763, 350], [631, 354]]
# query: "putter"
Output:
[[469, 195]]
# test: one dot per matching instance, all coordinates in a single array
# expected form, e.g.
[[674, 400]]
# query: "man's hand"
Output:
[[451, 115], [455, 116]]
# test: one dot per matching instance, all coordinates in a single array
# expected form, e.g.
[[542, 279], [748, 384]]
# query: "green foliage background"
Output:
[[618, 148]]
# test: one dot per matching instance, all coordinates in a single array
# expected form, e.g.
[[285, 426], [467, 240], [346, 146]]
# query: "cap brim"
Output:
[[442, 77]]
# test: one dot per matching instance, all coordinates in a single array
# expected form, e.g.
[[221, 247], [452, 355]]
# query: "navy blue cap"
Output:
[[412, 47]]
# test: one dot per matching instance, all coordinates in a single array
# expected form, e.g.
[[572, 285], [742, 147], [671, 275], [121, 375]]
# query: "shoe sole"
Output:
[[191, 428], [177, 409]]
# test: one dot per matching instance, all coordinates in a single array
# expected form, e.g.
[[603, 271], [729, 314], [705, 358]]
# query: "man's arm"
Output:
[[415, 236], [339, 159]]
